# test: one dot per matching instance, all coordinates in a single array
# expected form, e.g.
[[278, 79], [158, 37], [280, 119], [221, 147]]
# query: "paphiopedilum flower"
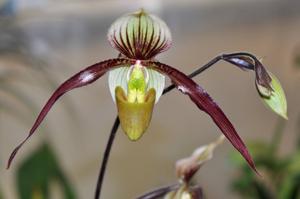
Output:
[[136, 79]]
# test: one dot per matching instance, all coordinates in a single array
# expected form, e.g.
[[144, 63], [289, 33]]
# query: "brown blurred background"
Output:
[[62, 37]]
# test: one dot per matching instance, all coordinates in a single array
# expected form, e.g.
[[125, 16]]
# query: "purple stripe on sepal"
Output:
[[84, 77], [206, 104]]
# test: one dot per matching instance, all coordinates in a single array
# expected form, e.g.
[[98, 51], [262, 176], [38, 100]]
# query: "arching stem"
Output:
[[106, 156]]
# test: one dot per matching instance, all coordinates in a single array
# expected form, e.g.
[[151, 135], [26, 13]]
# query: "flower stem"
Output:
[[106, 156], [166, 90]]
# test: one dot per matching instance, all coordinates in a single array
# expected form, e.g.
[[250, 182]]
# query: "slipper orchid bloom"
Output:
[[136, 79]]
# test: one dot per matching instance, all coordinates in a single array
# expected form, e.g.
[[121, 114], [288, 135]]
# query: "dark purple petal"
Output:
[[241, 61], [262, 76], [206, 104], [84, 77], [196, 192], [158, 193]]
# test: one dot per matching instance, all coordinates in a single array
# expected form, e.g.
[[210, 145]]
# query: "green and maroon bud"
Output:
[[139, 35], [276, 101]]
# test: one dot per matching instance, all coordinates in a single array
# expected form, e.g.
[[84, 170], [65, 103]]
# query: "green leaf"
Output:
[[298, 133], [290, 187], [249, 186], [294, 164], [38, 171], [277, 101]]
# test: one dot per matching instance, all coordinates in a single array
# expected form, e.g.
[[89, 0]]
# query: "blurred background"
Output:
[[44, 42]]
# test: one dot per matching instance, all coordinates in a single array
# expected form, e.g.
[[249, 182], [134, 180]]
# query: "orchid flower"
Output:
[[186, 168], [136, 79]]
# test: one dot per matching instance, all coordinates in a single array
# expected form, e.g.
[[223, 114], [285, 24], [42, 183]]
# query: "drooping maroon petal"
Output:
[[262, 76], [84, 77], [160, 192], [206, 104], [197, 192]]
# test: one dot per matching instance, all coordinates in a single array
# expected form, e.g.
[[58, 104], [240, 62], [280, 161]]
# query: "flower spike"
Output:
[[205, 103], [84, 77]]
